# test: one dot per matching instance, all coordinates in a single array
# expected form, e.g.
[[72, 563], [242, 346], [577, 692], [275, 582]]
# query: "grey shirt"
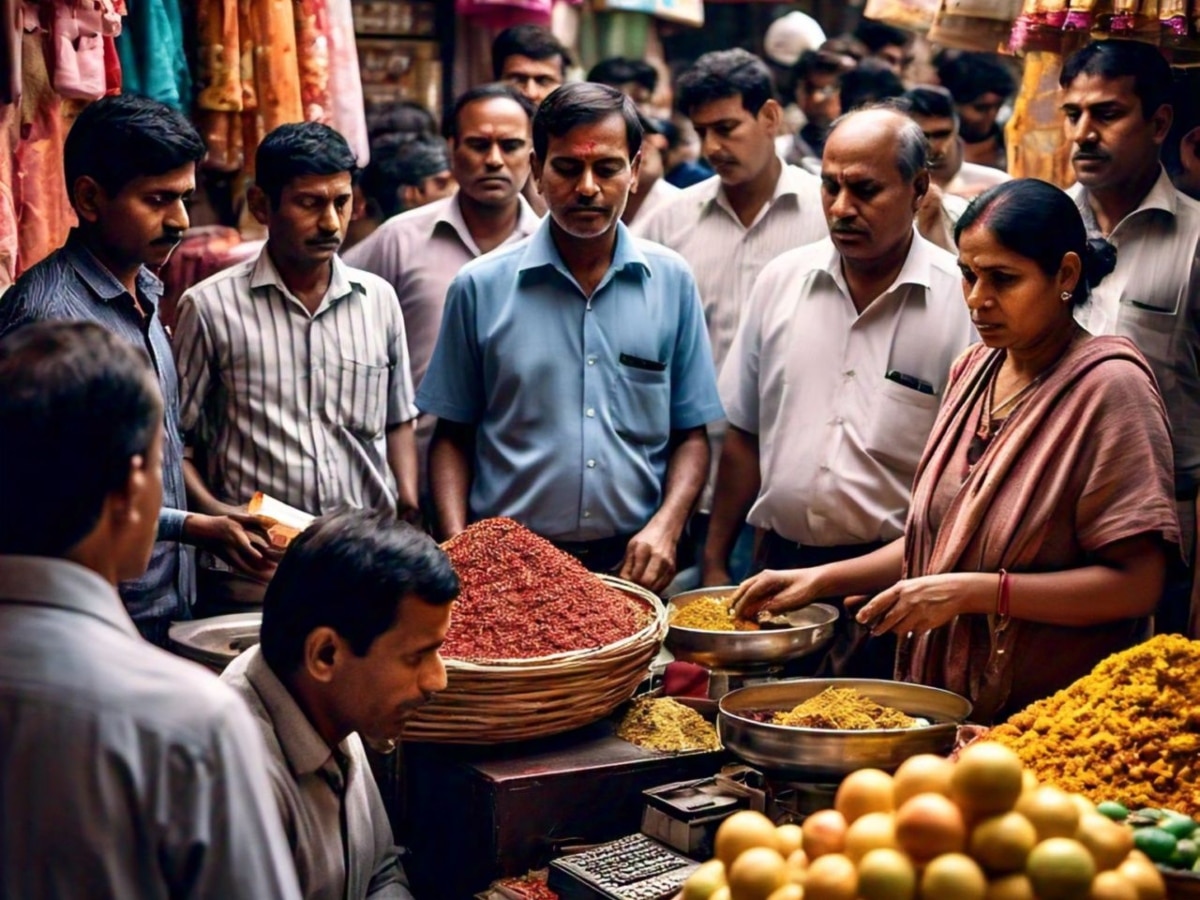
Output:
[[124, 771], [332, 812]]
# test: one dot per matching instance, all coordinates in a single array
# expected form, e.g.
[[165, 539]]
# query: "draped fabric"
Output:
[[150, 47]]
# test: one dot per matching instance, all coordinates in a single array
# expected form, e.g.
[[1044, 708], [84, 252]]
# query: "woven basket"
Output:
[[1182, 885], [518, 700]]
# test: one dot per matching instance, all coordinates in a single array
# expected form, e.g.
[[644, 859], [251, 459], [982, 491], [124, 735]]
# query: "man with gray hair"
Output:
[[832, 383]]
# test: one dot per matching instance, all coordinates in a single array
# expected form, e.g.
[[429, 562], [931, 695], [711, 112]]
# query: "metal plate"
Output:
[[217, 641], [816, 753], [813, 629]]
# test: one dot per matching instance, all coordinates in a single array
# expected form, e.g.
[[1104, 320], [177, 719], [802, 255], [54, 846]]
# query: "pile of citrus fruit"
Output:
[[978, 829]]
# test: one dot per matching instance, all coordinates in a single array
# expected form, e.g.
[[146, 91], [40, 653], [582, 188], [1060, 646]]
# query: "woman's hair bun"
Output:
[[1099, 259]]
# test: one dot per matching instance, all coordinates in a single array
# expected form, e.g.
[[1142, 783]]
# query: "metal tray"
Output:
[[217, 641], [816, 754], [813, 629]]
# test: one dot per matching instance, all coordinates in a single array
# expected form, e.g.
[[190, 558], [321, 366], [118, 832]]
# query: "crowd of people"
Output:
[[821, 345]]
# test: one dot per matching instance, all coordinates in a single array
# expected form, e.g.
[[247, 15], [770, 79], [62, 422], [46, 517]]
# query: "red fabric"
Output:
[[112, 67], [685, 679], [313, 43]]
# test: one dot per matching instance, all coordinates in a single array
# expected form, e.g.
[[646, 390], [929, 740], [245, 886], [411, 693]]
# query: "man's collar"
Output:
[[99, 279], [60, 583], [451, 216], [305, 750], [1162, 196], [917, 268], [540, 252], [789, 183], [341, 282]]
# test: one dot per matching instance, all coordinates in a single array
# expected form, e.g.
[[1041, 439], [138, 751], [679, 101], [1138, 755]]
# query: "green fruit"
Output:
[[1114, 811], [1149, 813], [1155, 843], [1180, 826], [1185, 855]]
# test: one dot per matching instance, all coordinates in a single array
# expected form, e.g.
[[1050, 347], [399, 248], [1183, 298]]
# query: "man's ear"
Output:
[[123, 504], [921, 186], [535, 169], [635, 167], [1189, 150], [771, 116], [88, 198], [259, 204], [1162, 119], [322, 652]]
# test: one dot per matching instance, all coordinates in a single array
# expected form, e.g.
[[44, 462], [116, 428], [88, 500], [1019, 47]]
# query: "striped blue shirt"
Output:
[[72, 284]]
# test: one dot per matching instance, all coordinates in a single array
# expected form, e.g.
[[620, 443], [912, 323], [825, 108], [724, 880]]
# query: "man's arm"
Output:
[[402, 460], [451, 468], [650, 556], [738, 481]]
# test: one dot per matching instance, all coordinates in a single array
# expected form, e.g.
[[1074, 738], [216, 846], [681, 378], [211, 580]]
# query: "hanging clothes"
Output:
[[348, 112], [150, 47], [313, 45]]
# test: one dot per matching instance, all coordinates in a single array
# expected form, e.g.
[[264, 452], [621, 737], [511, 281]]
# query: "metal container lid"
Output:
[[216, 642]]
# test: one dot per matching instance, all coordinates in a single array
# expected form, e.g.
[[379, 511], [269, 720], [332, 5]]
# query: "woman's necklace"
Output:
[[988, 426]]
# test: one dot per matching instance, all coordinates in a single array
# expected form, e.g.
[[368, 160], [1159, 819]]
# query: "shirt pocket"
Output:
[[642, 405], [359, 400], [900, 425], [1152, 329]]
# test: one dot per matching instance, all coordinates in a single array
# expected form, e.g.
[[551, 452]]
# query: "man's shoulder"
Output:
[[40, 291], [402, 229], [798, 262], [681, 208], [662, 258], [217, 288], [503, 262], [375, 286]]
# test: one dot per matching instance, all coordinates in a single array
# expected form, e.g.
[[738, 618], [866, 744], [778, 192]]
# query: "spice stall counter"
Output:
[[473, 814]]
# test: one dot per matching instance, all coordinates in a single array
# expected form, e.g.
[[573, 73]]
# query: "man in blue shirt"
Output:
[[572, 378], [131, 167]]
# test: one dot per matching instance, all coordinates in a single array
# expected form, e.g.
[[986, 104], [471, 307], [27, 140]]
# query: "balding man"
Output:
[[833, 380]]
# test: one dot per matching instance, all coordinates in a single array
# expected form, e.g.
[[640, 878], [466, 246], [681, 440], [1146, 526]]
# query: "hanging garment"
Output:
[[313, 53], [10, 51], [78, 41], [153, 62], [348, 112]]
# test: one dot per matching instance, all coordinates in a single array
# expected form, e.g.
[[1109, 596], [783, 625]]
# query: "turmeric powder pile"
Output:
[[660, 723], [709, 614], [843, 709], [1129, 731]]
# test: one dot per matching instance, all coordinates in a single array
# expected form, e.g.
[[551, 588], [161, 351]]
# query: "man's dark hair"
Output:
[[493, 91], [877, 35], [77, 403], [618, 70], [1186, 101], [350, 571], [583, 103], [405, 117], [532, 41], [722, 74], [871, 82], [407, 164], [846, 45], [968, 76], [1150, 71], [930, 102], [307, 148], [818, 62], [117, 139]]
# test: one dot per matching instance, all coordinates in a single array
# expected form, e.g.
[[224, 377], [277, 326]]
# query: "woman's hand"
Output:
[[775, 592], [922, 604]]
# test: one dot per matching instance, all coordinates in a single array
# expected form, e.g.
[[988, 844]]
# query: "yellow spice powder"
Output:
[[1129, 731], [660, 723], [843, 709], [709, 614]]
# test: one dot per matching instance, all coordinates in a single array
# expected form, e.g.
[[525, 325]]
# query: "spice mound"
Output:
[[844, 709], [1128, 731], [522, 598], [660, 723], [709, 614]]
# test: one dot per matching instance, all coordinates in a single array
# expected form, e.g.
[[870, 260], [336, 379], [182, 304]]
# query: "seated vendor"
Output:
[[1043, 510], [352, 623]]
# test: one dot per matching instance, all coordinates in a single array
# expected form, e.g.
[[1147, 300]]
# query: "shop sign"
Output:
[[689, 12]]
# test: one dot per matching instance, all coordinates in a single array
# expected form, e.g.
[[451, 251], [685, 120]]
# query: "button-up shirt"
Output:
[[332, 812], [72, 284], [661, 194], [288, 402], [574, 397], [128, 772], [839, 442], [1153, 298]]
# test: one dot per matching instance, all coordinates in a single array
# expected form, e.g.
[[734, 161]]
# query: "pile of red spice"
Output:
[[523, 597]]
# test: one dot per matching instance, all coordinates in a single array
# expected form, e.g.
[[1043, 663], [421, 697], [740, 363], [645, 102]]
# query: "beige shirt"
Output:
[[971, 180], [839, 442], [1153, 298], [293, 404], [333, 815], [662, 192]]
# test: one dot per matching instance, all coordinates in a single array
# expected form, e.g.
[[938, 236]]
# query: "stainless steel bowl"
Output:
[[816, 754], [812, 630], [215, 642]]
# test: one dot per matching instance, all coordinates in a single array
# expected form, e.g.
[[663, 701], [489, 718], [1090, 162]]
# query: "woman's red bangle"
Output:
[[1002, 595]]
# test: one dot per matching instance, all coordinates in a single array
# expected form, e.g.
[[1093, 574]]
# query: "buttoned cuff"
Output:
[[170, 524]]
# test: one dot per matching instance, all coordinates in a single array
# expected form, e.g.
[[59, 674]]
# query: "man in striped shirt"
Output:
[[293, 367]]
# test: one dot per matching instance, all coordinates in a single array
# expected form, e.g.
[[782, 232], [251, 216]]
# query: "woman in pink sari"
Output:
[[1042, 513]]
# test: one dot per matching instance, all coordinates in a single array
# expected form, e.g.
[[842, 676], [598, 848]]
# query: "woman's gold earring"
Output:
[[1065, 296]]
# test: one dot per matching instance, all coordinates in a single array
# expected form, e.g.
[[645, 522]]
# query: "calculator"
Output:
[[629, 868]]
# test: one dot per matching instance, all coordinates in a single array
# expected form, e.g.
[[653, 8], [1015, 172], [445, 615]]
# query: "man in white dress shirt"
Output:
[[127, 772], [333, 673], [1116, 100], [832, 385]]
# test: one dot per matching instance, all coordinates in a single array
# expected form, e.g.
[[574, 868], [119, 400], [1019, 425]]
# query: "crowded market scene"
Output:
[[427, 470]]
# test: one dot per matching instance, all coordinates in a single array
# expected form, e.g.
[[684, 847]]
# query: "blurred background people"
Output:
[[817, 91], [890, 45], [933, 109], [981, 85], [871, 81], [635, 78], [1181, 150], [414, 173]]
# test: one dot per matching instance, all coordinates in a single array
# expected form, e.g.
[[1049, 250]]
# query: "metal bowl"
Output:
[[215, 642], [816, 754], [812, 629]]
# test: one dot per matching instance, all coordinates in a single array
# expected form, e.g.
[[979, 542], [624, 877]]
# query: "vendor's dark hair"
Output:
[[871, 82], [305, 148], [722, 74], [117, 139], [350, 571], [617, 70], [968, 76], [583, 103], [77, 403], [493, 91], [409, 163], [1042, 223], [532, 41], [1144, 63], [930, 102]]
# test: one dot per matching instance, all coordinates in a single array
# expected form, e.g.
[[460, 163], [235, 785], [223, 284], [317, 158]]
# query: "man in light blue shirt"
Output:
[[572, 377]]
